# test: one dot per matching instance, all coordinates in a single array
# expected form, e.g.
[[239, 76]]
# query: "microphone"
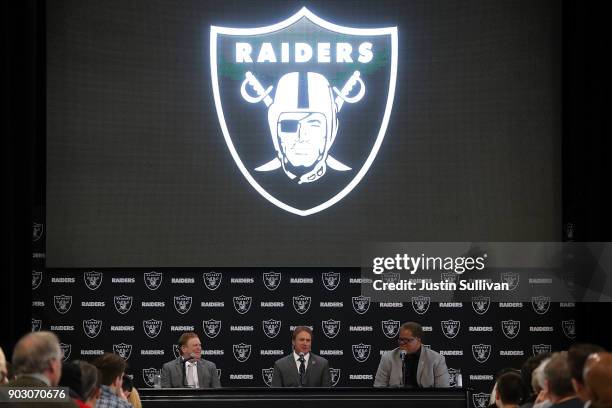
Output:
[[192, 356], [403, 355], [301, 354]]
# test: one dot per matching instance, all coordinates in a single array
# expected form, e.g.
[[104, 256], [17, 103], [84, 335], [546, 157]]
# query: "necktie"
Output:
[[191, 375], [302, 370]]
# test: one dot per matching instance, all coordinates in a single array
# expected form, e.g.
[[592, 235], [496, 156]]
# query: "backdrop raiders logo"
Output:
[[271, 327], [303, 105], [123, 350], [211, 327], [123, 303], [66, 350]]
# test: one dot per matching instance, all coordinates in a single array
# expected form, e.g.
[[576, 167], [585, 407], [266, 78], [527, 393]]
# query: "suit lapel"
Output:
[[422, 361], [201, 374]]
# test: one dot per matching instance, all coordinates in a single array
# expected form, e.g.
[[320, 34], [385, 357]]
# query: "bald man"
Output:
[[598, 377]]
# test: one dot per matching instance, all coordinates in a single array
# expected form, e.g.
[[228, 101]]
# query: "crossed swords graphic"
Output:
[[264, 95]]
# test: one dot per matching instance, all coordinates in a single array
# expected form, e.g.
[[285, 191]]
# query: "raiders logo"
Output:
[[511, 278], [450, 277], [281, 92], [540, 304], [334, 373], [453, 377], [271, 328], [481, 352], [390, 277], [242, 352], [176, 350], [450, 328], [266, 374], [37, 231], [66, 351], [123, 303], [361, 304], [511, 328], [390, 328], [242, 303], [152, 327], [481, 400], [361, 352], [541, 349], [62, 303], [569, 328], [92, 327], [211, 327], [301, 303], [123, 350], [331, 280], [212, 280], [481, 304], [92, 279], [36, 279], [219, 373], [148, 375], [182, 303], [153, 280], [271, 280], [420, 304], [36, 325], [331, 328]]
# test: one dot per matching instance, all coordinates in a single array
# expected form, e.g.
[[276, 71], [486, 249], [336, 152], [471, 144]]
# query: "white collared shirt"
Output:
[[191, 374], [296, 357]]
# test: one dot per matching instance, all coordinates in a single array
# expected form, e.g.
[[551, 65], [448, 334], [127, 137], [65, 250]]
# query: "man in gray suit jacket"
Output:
[[412, 365], [301, 368], [189, 369]]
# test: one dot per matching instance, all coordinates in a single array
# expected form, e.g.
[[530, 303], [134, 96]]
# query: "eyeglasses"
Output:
[[409, 340]]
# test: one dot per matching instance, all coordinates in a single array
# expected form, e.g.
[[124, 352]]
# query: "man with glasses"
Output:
[[411, 365]]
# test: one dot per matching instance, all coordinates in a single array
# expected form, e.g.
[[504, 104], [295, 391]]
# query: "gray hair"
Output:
[[34, 351], [537, 378]]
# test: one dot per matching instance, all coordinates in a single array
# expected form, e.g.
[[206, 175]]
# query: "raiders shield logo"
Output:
[[37, 231], [420, 304], [450, 277], [148, 375], [511, 328], [36, 325], [481, 400], [176, 350], [211, 327], [334, 373], [390, 277], [271, 327], [271, 280], [153, 280], [182, 303], [123, 350], [481, 304], [266, 374], [66, 350], [219, 373], [450, 328], [453, 375], [152, 327], [390, 328], [62, 303], [540, 304], [331, 328], [36, 279], [540, 349], [92, 327], [481, 352], [361, 304], [123, 303], [212, 280], [361, 352], [511, 278], [331, 280], [242, 303], [92, 279], [242, 352], [569, 328], [301, 303], [303, 105]]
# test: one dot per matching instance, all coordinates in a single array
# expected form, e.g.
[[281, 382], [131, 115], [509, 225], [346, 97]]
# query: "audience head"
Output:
[[3, 369], [527, 371], [82, 379], [598, 379], [558, 377], [509, 389], [111, 368], [576, 357], [39, 353]]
